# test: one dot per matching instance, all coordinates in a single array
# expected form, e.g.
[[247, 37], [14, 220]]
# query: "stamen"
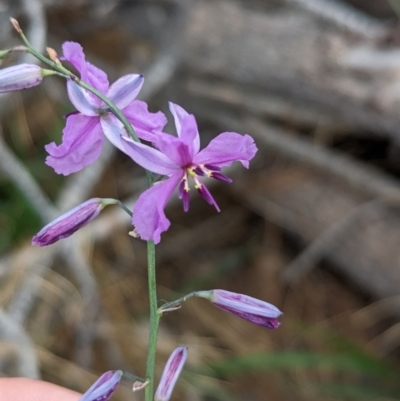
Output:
[[184, 193], [205, 194], [211, 167], [220, 177], [198, 171], [186, 200]]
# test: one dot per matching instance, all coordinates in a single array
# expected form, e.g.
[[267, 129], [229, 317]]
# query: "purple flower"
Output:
[[83, 134], [104, 387], [21, 76], [245, 307], [170, 375], [181, 159], [72, 221]]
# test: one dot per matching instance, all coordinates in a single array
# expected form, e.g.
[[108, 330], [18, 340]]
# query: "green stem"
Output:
[[174, 304], [124, 207], [154, 320]]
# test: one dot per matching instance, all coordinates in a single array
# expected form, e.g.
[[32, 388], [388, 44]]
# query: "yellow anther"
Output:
[[197, 183]]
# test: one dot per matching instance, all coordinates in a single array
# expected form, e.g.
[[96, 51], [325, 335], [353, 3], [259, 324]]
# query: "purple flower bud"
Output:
[[72, 221], [104, 387], [248, 308], [21, 76], [171, 373]]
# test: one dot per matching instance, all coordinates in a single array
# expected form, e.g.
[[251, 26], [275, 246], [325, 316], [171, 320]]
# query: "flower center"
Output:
[[103, 111], [195, 171]]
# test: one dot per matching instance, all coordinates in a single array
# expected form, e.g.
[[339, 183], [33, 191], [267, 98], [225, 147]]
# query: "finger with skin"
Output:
[[21, 389]]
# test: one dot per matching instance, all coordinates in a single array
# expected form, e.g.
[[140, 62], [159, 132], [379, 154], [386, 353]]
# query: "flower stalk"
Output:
[[154, 320]]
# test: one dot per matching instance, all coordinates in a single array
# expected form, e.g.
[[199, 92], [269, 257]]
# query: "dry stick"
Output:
[[17, 173], [73, 255], [355, 173], [12, 333], [37, 28], [344, 15], [316, 250]]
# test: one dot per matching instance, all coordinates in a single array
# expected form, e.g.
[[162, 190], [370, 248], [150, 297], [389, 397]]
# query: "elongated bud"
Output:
[[171, 373], [104, 387], [53, 55], [245, 307], [72, 221], [21, 76], [15, 24]]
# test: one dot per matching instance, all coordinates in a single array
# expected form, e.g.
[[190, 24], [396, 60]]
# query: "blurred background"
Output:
[[313, 227]]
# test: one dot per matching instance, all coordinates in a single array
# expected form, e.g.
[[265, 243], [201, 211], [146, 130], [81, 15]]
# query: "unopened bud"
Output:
[[21, 76], [15, 24], [104, 387], [171, 373], [251, 309], [53, 55], [70, 222]]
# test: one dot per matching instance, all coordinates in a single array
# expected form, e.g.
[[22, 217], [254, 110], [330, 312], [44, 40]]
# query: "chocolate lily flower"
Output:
[[181, 159], [83, 135]]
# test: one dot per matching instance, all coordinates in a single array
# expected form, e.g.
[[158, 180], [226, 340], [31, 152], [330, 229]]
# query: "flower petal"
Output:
[[113, 130], [147, 125], [190, 134], [227, 148], [179, 114], [81, 145], [175, 149], [82, 99], [186, 127], [124, 91], [149, 158], [73, 52], [149, 218]]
